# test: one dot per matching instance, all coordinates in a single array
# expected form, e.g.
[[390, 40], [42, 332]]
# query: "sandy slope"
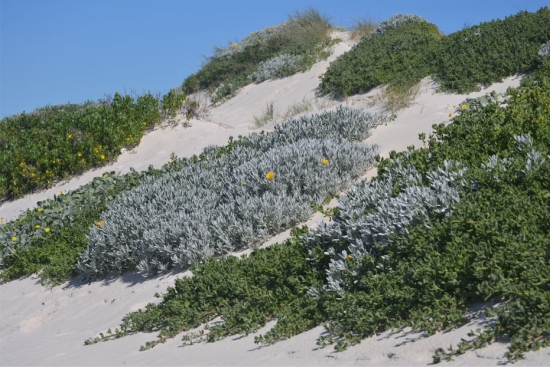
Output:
[[42, 326]]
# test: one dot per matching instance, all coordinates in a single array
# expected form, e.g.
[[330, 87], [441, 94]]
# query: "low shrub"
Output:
[[399, 52], [486, 53], [51, 143], [277, 67]]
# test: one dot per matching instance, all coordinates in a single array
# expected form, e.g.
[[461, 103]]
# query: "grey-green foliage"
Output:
[[254, 38], [225, 203], [544, 51], [394, 22], [372, 212], [277, 67]]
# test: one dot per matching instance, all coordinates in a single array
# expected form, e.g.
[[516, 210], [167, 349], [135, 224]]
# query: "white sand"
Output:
[[48, 326]]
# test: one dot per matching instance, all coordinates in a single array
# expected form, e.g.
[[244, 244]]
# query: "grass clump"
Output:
[[369, 270], [268, 115], [399, 54], [302, 39], [486, 53], [363, 27], [56, 142]]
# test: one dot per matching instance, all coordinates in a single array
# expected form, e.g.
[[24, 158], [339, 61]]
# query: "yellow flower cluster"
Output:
[[270, 175]]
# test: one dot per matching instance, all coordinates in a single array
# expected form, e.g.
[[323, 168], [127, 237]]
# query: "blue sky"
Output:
[[59, 51]]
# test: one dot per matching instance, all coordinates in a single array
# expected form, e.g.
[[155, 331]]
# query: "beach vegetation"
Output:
[[460, 222], [272, 52], [398, 52]]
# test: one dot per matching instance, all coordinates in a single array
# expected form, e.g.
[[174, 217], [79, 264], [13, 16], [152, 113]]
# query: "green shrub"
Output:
[[486, 53], [400, 55], [304, 35], [52, 143]]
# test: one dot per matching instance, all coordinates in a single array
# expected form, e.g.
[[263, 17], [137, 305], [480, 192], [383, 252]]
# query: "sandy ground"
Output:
[[48, 326]]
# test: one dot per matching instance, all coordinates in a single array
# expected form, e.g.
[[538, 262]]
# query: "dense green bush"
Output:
[[486, 53], [401, 54], [403, 50], [51, 143], [305, 35], [492, 246]]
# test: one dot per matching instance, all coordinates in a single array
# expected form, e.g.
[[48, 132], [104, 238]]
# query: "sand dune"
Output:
[[48, 326]]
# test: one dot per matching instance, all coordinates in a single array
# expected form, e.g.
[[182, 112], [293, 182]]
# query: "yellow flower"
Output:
[[270, 175], [242, 183], [60, 192], [450, 115], [100, 223], [79, 154], [144, 123], [464, 106], [102, 156], [21, 164], [259, 40], [324, 161], [37, 226], [234, 46], [47, 229], [70, 136], [14, 238], [105, 175], [112, 186], [1, 220], [33, 174], [349, 257], [40, 210]]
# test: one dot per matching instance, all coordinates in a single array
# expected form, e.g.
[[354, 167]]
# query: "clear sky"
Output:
[[59, 51]]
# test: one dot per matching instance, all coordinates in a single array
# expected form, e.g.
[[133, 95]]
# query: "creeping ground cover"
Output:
[[462, 221], [227, 198]]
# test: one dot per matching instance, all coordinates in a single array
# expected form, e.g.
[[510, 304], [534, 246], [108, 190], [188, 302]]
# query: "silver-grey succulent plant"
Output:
[[263, 186], [277, 67], [370, 213]]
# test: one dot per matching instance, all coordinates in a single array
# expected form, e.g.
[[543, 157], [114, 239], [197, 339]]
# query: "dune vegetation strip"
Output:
[[262, 185], [463, 220], [52, 143], [50, 238], [406, 48], [270, 53]]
